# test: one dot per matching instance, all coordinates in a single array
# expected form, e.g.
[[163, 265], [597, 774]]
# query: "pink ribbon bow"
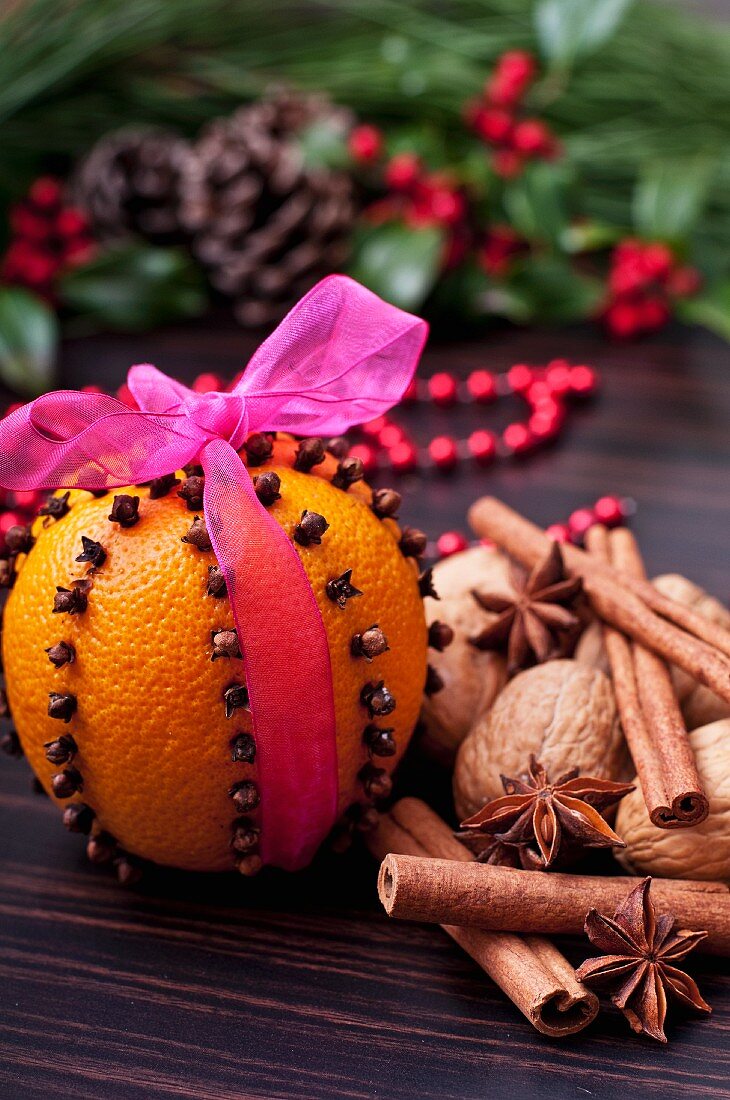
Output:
[[340, 357]]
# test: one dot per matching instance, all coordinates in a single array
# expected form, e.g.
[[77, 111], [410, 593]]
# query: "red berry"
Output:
[[402, 171], [684, 282], [514, 71], [520, 378], [442, 389], [494, 125], [654, 313], [482, 386], [507, 163], [531, 137], [627, 277], [580, 520], [71, 222], [365, 143], [28, 224], [583, 381], [657, 261], [40, 268], [558, 532], [443, 452], [91, 389], [78, 250], [28, 499], [124, 394], [46, 192], [451, 542], [208, 383], [622, 320], [403, 457], [367, 456], [543, 426], [482, 447], [517, 438], [609, 510]]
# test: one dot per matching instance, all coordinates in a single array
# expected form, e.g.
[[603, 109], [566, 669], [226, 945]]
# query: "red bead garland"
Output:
[[546, 391]]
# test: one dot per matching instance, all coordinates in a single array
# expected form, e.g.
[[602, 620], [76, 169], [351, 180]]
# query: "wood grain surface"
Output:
[[298, 986]]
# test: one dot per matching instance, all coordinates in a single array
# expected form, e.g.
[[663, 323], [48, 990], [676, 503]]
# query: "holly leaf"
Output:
[[398, 262], [28, 342], [570, 30], [711, 310], [135, 287], [548, 289], [537, 203], [669, 198]]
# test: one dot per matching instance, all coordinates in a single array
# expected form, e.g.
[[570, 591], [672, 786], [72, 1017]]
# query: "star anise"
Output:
[[557, 817], [487, 849], [532, 622], [639, 955]]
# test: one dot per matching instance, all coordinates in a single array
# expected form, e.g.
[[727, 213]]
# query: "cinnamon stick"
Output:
[[685, 802], [530, 970], [499, 898], [612, 595]]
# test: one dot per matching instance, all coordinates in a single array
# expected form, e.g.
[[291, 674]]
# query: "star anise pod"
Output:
[[554, 816], [639, 952], [533, 621], [487, 849]]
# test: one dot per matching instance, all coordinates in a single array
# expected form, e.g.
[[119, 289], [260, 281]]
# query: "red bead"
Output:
[[507, 163], [482, 446], [532, 137], [520, 378], [365, 143], [517, 438], [28, 499], [451, 542], [71, 222], [557, 376], [609, 510], [374, 427], [494, 125], [91, 389], [580, 520], [403, 457], [443, 452], [482, 386], [543, 426], [208, 383], [538, 391], [411, 394], [125, 396], [390, 436], [583, 381], [558, 532], [8, 520], [367, 456], [442, 389]]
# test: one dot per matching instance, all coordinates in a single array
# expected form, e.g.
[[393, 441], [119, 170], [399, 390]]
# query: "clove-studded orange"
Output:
[[120, 686]]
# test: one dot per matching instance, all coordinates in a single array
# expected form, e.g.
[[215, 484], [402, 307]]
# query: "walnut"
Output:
[[702, 852], [472, 678], [562, 711]]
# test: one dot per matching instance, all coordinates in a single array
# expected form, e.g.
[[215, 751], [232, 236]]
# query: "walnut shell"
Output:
[[472, 678], [702, 852], [562, 711]]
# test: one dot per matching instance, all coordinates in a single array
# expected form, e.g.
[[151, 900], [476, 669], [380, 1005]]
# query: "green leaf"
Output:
[[397, 262], [711, 310], [28, 342], [135, 287], [537, 203], [324, 145], [569, 30], [548, 289], [670, 196]]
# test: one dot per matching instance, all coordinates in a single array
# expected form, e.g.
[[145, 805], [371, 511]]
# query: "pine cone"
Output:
[[130, 183], [265, 225]]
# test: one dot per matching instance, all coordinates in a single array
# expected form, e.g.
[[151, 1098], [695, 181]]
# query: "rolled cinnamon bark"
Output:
[[529, 969], [498, 898], [611, 594], [685, 802]]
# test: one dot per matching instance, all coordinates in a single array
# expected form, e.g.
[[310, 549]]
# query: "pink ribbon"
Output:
[[340, 357]]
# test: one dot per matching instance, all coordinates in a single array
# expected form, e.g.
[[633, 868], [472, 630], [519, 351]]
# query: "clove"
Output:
[[62, 750], [245, 835], [235, 697], [191, 491], [245, 796], [412, 542], [386, 503], [378, 699], [348, 471], [125, 510], [371, 643], [380, 742], [243, 749], [267, 486], [225, 644], [61, 705], [216, 583], [78, 818], [310, 453], [18, 539], [101, 848], [258, 447], [310, 529], [66, 783], [338, 446], [376, 781], [161, 486], [198, 537], [91, 552], [340, 589], [60, 654], [425, 584], [440, 635], [73, 600], [56, 507]]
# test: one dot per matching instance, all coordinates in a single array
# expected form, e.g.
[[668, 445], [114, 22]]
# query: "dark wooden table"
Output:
[[216, 987]]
